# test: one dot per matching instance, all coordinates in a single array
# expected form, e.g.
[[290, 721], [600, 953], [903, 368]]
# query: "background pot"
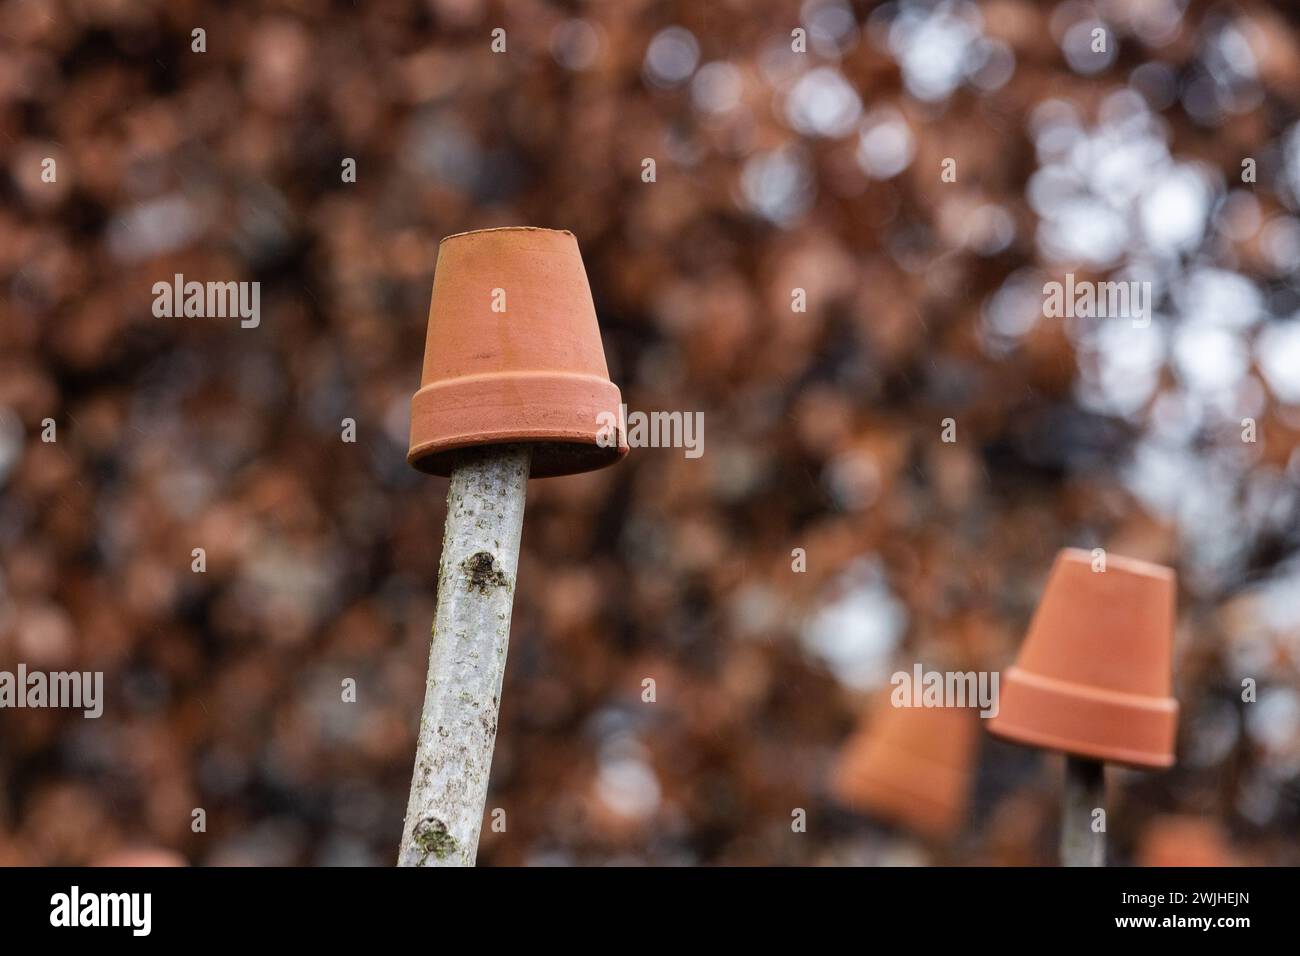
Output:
[[1185, 840], [912, 767], [534, 373], [1094, 676]]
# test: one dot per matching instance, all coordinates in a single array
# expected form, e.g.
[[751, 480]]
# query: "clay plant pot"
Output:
[[1094, 676], [912, 767], [513, 355], [141, 856], [1185, 841]]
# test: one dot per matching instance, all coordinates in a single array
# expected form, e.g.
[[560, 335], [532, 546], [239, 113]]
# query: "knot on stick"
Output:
[[483, 574]]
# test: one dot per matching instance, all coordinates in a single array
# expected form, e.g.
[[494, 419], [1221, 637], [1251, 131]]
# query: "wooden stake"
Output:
[[467, 659], [1085, 791]]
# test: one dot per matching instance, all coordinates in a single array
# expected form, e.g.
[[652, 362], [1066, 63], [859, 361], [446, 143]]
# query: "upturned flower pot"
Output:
[[1184, 841], [1094, 676], [513, 355], [911, 766]]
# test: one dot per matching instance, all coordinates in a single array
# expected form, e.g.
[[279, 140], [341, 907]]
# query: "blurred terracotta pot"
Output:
[[910, 766], [141, 856], [1181, 840], [513, 354], [1094, 676]]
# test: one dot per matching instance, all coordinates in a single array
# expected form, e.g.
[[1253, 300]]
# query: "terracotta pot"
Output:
[[533, 373], [1094, 676], [910, 766], [1181, 840], [141, 856]]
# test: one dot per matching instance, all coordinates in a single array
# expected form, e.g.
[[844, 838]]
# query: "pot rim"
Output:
[[479, 232]]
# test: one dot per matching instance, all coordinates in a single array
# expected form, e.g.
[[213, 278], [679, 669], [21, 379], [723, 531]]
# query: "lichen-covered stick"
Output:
[[467, 660], [1085, 792]]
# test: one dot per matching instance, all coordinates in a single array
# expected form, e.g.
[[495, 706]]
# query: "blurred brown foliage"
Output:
[[823, 427]]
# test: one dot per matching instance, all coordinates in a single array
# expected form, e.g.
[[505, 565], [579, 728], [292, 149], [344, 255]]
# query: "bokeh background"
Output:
[[774, 170]]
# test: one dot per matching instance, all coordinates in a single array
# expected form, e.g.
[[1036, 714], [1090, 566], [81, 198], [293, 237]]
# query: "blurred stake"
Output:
[[467, 660], [1085, 792]]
